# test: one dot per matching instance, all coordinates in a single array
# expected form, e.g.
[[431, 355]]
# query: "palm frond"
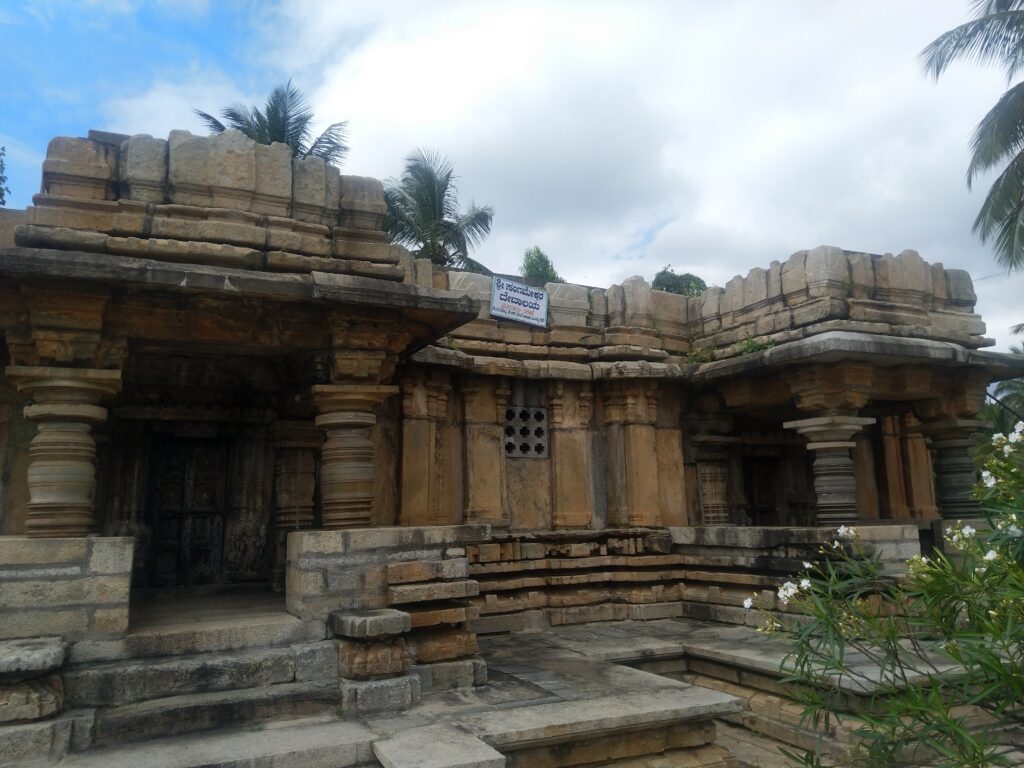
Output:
[[215, 125], [993, 38], [1002, 216], [986, 7], [999, 135], [331, 145]]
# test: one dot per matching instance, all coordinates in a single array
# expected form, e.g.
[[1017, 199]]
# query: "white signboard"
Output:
[[512, 300]]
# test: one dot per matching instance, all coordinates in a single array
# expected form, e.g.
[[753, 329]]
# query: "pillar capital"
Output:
[[835, 431], [341, 405], [55, 388], [835, 484]]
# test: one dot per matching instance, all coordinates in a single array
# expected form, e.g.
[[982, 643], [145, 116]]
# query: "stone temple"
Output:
[[275, 493]]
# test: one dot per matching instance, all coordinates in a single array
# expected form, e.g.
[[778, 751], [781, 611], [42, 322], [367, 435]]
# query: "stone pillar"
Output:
[[955, 474], [835, 482], [630, 411], [62, 470], [346, 456], [295, 447], [484, 402], [571, 408]]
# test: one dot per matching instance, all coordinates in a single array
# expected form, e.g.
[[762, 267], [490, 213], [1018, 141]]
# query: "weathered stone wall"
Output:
[[530, 581], [220, 200], [15, 434], [75, 588], [823, 289]]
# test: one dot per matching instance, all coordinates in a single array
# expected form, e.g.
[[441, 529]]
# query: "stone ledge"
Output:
[[436, 746]]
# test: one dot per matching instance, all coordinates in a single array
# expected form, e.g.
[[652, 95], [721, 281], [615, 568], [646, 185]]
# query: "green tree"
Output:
[[4, 191], [537, 265], [1002, 415], [424, 215], [286, 118], [684, 284], [994, 36]]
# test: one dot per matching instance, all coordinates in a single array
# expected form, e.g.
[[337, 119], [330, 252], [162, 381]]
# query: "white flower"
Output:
[[1007, 449], [991, 555], [1019, 428], [748, 603], [988, 479], [1013, 531], [807, 565], [980, 570], [968, 531], [846, 532], [1015, 437], [786, 591], [805, 583], [998, 438]]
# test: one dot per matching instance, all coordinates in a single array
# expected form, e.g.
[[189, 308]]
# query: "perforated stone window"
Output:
[[526, 432]]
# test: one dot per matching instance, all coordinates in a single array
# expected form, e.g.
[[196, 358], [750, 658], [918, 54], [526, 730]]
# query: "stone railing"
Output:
[[824, 289], [220, 200]]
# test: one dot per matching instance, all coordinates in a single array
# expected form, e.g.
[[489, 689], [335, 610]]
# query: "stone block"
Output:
[[21, 550], [361, 204], [636, 294], [30, 657], [448, 675], [652, 611], [31, 699], [363, 696], [431, 645], [70, 623], [447, 615], [364, 660], [142, 169], [903, 279], [111, 555], [41, 742], [960, 290], [109, 622], [473, 285], [417, 593], [273, 192], [436, 746], [828, 272], [794, 278], [509, 622], [309, 190], [89, 589], [862, 276], [568, 304], [80, 168], [318, 661], [216, 171], [370, 624]]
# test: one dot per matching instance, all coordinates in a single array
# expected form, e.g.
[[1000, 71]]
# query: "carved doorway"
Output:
[[187, 511]]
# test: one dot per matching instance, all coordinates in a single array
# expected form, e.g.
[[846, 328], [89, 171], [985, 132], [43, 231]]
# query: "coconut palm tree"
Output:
[[286, 118], [994, 36], [423, 213]]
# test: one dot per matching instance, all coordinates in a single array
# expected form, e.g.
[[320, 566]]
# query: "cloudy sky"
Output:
[[617, 136]]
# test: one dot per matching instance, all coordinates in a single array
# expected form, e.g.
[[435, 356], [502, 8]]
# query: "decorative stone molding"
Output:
[[835, 484], [62, 455], [346, 457], [955, 473]]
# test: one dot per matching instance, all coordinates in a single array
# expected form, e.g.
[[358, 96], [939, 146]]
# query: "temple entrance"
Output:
[[187, 512]]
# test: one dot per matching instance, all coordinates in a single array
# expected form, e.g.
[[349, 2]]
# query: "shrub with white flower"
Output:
[[954, 625]]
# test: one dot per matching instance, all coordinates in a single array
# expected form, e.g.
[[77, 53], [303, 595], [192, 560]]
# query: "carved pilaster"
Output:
[[835, 483], [571, 409], [62, 455], [484, 400], [955, 473], [630, 412], [426, 456], [295, 449], [346, 414]]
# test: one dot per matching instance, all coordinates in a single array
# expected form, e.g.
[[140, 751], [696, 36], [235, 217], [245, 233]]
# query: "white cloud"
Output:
[[621, 137]]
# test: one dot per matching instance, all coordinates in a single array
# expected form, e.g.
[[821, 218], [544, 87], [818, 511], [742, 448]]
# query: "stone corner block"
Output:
[[384, 622], [436, 746], [31, 656], [395, 693]]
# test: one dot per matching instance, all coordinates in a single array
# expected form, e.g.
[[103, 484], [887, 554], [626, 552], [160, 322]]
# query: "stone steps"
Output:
[[187, 713], [127, 682], [310, 743], [271, 631]]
